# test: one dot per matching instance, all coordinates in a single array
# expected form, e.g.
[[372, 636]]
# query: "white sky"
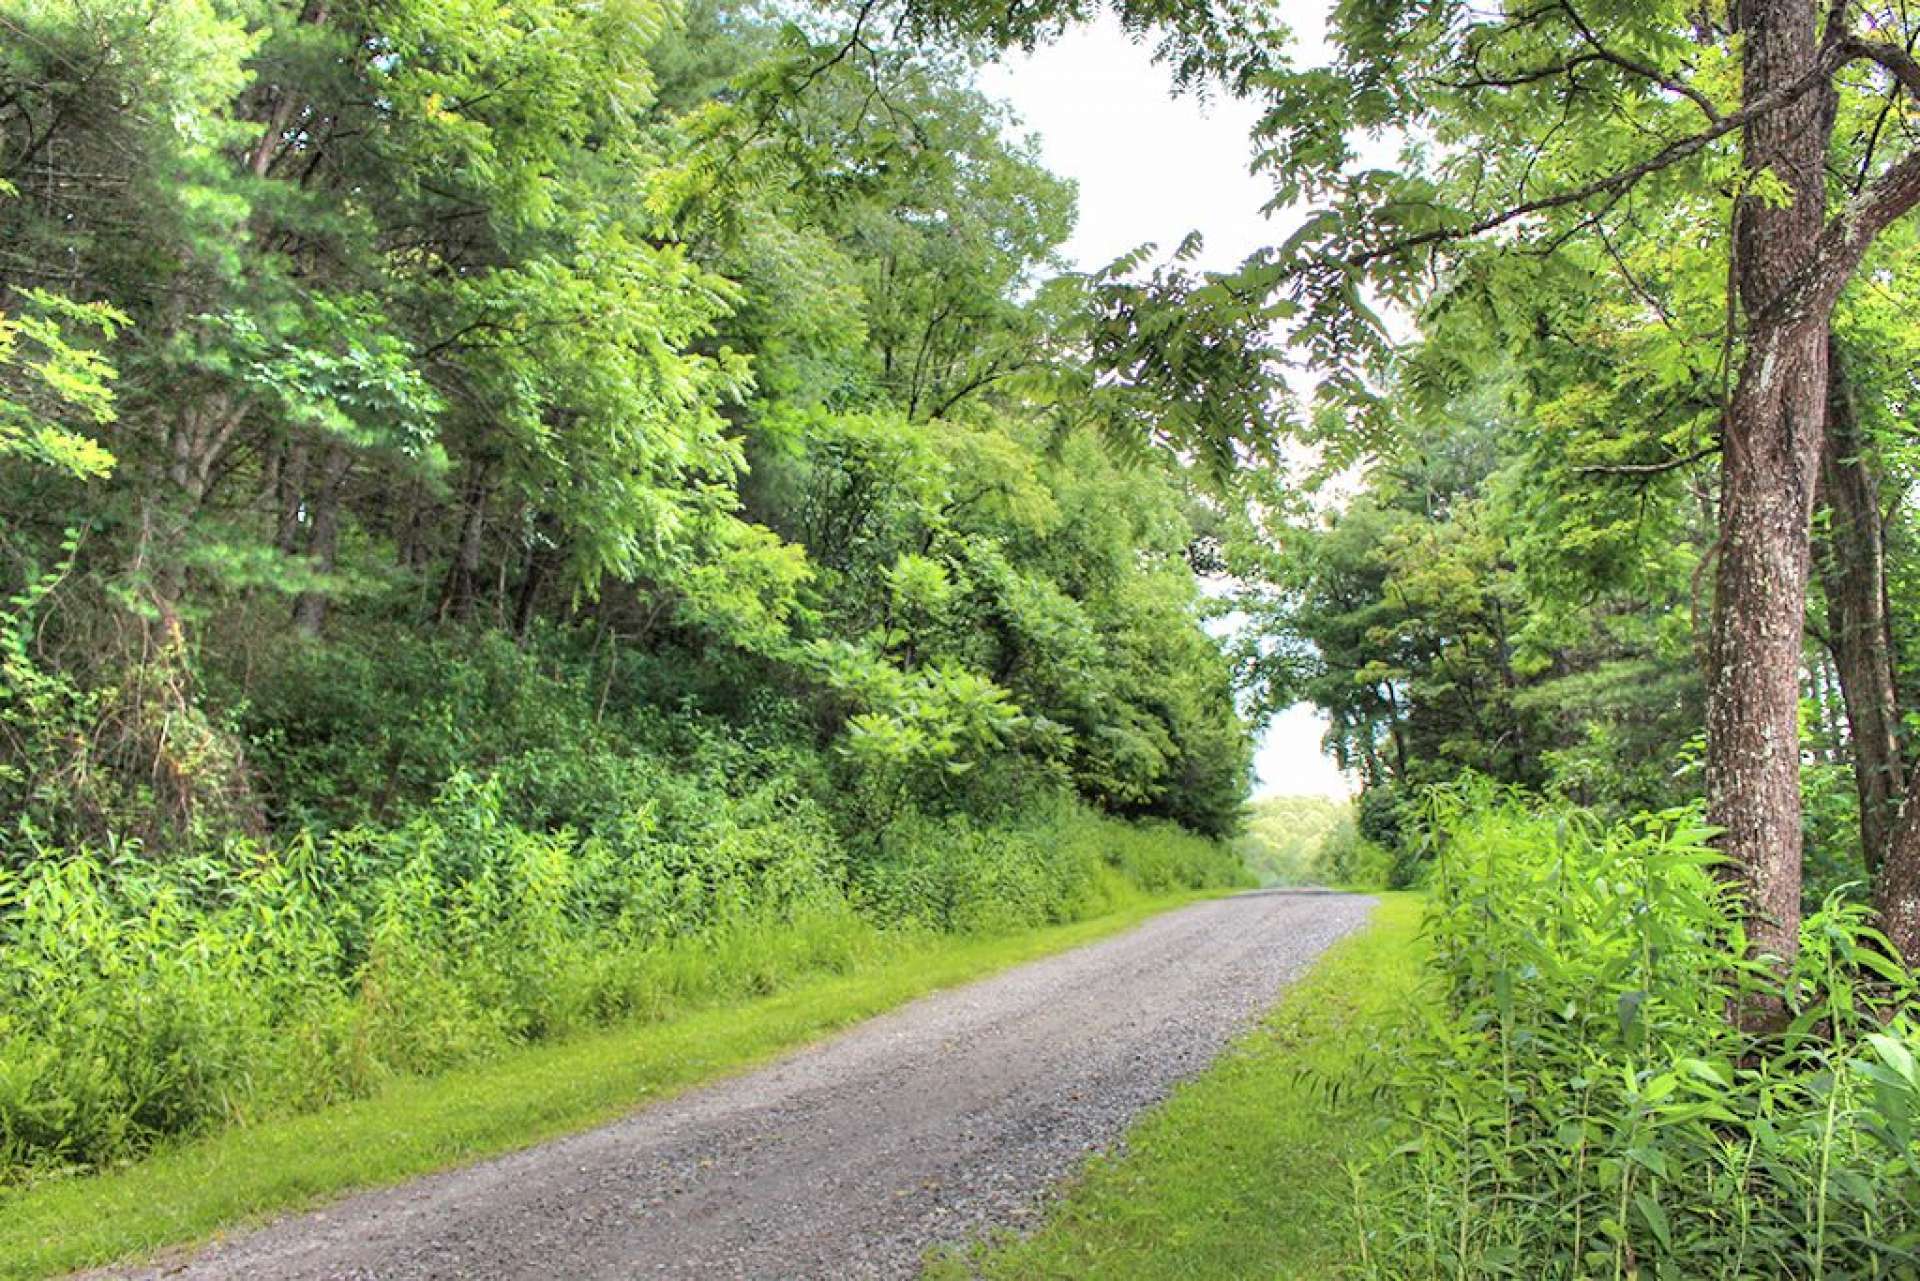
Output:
[[1151, 168]]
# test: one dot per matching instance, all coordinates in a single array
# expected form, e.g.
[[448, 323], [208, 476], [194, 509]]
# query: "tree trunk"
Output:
[[292, 498], [1853, 577], [1395, 733], [460, 591], [195, 441], [1896, 890], [1753, 692], [1775, 424], [410, 529], [528, 598], [310, 607]]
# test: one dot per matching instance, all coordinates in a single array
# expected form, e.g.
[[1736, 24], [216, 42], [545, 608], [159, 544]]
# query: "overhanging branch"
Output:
[[1834, 55], [1647, 469]]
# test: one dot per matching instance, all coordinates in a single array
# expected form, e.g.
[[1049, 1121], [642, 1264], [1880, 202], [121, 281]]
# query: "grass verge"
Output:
[[1241, 1173], [189, 1192]]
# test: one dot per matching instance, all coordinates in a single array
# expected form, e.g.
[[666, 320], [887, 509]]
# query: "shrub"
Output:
[[1580, 1105], [142, 998]]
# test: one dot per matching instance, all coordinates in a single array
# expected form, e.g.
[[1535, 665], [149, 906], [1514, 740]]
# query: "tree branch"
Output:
[[1847, 235], [1639, 68], [1896, 60], [1831, 59], [1646, 469], [1520, 79]]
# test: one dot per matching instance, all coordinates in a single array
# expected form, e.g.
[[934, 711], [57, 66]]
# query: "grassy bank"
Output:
[[1241, 1173], [185, 1193], [148, 1000]]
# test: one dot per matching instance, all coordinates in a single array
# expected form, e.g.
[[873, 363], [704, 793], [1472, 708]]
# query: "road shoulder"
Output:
[[206, 1189], [1241, 1172]]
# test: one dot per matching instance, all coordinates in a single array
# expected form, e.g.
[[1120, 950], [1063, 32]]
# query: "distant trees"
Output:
[[1287, 835]]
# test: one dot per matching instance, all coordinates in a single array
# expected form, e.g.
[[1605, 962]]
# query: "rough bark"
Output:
[[1753, 692], [1774, 428], [1896, 890], [1790, 264], [1852, 563], [410, 527]]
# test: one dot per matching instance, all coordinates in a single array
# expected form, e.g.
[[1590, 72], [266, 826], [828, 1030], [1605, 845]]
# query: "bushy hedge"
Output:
[[1579, 1104], [141, 998], [1065, 863]]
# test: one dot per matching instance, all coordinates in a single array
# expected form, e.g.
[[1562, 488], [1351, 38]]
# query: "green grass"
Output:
[[1240, 1173], [186, 1193]]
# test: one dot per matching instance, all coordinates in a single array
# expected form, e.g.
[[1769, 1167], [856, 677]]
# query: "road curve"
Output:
[[934, 1123]]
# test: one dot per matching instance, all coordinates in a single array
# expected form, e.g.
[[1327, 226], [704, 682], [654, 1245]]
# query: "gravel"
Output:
[[936, 1123]]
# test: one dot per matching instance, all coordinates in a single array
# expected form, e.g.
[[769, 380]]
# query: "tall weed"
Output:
[[1580, 1105], [142, 998]]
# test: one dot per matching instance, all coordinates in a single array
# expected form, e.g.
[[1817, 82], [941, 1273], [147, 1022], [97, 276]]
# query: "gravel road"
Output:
[[934, 1123]]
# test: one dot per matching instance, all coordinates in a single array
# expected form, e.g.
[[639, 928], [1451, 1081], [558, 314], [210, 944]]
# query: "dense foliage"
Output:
[[515, 514], [150, 999], [1591, 548], [1579, 1105]]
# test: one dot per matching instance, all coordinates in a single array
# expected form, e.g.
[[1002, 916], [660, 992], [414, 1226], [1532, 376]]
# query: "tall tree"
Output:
[[1578, 106]]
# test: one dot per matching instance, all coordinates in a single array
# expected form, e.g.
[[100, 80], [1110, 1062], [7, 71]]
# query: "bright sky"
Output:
[[1151, 168]]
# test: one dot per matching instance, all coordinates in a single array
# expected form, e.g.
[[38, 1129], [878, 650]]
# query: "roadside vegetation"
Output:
[[153, 1001], [1617, 632], [523, 519], [1577, 1102]]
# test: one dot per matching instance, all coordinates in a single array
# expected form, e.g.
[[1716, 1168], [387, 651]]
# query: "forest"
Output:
[[524, 518], [497, 493]]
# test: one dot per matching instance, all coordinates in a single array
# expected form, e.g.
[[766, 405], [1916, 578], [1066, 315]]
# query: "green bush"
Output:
[[1580, 1104], [142, 998]]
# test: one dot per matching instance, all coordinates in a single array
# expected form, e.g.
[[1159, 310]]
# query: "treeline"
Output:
[[569, 316], [1308, 840], [490, 491]]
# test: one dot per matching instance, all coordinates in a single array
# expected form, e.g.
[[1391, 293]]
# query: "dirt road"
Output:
[[935, 1123]]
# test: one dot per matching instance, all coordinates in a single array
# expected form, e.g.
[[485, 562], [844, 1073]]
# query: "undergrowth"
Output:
[[1579, 1103], [477, 849], [141, 999]]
